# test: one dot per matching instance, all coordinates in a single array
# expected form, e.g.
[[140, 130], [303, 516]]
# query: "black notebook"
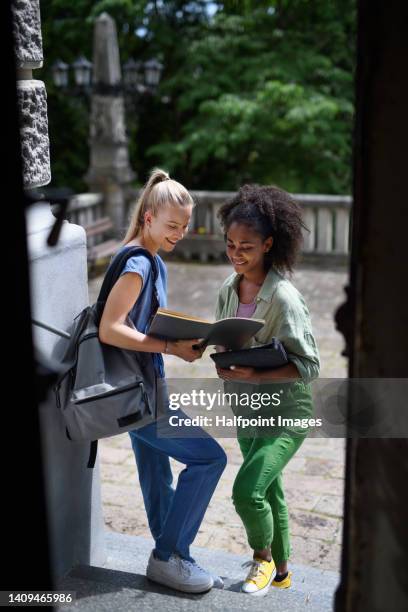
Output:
[[268, 357]]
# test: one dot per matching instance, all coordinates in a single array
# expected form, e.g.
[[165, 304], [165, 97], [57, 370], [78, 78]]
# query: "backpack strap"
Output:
[[113, 273], [92, 454]]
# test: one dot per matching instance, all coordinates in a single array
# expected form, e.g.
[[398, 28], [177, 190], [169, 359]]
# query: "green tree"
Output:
[[258, 91], [67, 29], [267, 95]]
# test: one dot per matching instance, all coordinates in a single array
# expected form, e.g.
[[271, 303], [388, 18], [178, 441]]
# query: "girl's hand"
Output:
[[184, 349], [239, 373]]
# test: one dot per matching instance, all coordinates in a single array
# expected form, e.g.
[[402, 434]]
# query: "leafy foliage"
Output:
[[258, 91]]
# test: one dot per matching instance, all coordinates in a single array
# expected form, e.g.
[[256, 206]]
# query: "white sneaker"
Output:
[[218, 581], [179, 574]]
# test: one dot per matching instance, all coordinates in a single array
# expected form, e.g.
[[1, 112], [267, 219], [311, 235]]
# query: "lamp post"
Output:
[[60, 73], [109, 169], [133, 75], [139, 78], [82, 71], [153, 71]]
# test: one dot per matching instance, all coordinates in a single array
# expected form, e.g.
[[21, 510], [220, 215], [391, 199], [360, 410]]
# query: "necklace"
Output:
[[253, 297]]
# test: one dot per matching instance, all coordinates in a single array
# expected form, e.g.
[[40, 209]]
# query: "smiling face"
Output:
[[168, 226], [246, 248]]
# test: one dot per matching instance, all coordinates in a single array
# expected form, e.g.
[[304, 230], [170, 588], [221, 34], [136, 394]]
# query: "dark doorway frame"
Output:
[[25, 545], [374, 320]]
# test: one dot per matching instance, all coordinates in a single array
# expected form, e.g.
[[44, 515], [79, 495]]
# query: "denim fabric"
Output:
[[175, 515]]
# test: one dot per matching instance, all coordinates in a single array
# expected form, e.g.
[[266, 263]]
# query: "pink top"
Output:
[[246, 310]]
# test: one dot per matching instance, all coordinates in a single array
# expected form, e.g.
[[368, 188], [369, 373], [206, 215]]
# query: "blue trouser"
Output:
[[175, 515]]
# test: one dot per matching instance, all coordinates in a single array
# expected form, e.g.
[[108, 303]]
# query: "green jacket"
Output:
[[286, 318]]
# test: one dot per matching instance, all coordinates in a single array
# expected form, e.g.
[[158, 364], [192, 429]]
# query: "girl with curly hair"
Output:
[[263, 232]]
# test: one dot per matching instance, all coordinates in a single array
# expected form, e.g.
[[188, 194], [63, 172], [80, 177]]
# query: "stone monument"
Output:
[[109, 171]]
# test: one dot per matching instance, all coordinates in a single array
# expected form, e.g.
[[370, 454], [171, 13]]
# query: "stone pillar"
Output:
[[31, 94], [109, 171], [59, 290]]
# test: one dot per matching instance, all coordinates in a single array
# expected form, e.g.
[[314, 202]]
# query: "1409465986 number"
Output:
[[39, 597]]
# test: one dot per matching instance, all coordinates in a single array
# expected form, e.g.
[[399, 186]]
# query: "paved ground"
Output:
[[313, 478]]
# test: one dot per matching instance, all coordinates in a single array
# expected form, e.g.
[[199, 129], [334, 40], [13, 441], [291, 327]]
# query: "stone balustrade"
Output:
[[327, 218], [85, 209]]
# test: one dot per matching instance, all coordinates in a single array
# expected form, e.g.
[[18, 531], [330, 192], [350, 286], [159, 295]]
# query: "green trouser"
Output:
[[258, 489], [258, 492]]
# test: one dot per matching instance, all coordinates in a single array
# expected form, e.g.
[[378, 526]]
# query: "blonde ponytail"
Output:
[[159, 191]]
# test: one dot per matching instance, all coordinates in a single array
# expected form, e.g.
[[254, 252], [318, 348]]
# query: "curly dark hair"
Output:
[[269, 211]]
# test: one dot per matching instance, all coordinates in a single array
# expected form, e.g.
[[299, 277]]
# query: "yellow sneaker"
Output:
[[283, 584], [259, 577]]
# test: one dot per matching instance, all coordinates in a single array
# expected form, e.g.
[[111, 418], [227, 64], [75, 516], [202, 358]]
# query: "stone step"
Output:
[[121, 585]]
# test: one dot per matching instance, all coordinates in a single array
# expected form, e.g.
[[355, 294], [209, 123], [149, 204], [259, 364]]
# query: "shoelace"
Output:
[[185, 565], [174, 559], [255, 571], [192, 564]]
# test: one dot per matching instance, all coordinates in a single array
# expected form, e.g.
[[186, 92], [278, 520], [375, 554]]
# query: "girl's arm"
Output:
[[286, 371], [113, 329]]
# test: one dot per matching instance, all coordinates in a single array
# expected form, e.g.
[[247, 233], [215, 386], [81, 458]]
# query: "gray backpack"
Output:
[[105, 390]]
